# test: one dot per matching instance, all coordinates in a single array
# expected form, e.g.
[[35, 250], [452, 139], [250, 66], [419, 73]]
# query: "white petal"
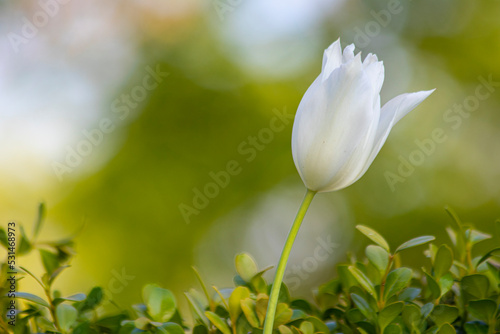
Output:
[[390, 114], [332, 59], [376, 72], [331, 127], [348, 53], [370, 59]]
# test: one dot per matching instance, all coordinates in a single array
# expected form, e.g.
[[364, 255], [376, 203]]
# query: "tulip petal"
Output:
[[332, 59], [390, 114], [376, 72], [348, 53], [370, 59], [335, 126]]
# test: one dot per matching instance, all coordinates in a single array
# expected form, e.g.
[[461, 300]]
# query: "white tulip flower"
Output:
[[338, 131], [339, 127]]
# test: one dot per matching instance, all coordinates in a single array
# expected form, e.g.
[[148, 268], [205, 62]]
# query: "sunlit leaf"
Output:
[[246, 266], [414, 243], [161, 303], [32, 298], [218, 322], [39, 220], [235, 299], [66, 316], [378, 256], [374, 236], [248, 308], [363, 280]]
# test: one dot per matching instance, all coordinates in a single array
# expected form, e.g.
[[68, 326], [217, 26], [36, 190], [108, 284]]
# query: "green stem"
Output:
[[280, 271]]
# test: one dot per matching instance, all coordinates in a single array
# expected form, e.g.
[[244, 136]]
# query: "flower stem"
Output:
[[280, 271]]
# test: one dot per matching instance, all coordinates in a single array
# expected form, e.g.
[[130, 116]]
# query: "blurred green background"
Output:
[[225, 69]]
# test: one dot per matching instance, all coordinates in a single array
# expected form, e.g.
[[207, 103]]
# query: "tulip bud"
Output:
[[339, 127]]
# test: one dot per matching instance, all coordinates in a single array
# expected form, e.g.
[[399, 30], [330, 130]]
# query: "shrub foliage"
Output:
[[455, 293]]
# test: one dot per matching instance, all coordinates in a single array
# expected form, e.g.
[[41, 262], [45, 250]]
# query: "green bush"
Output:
[[456, 293]]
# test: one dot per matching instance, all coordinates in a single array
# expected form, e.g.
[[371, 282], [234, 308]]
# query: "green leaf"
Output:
[[50, 261], [491, 253], [24, 245], [284, 295], [261, 307], [393, 329], [457, 222], [218, 322], [443, 261], [196, 308], [354, 315], [246, 267], [476, 286], [204, 287], [283, 315], [378, 256], [396, 281], [73, 298], [446, 283], [46, 325], [200, 329], [347, 279], [66, 316], [374, 236], [56, 273], [433, 286], [363, 280], [442, 314], [362, 331], [459, 233], [142, 323], [3, 238], [93, 299], [298, 314], [426, 310], [483, 309], [160, 303], [388, 314], [319, 325], [475, 328], [306, 327], [415, 242], [32, 298], [284, 330], [259, 284], [111, 323], [363, 306], [39, 220], [248, 308], [173, 328], [242, 326], [475, 236], [409, 294], [411, 316], [446, 329], [235, 299]]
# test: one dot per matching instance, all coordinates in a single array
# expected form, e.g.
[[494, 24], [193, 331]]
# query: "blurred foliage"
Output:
[[376, 294], [193, 122]]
